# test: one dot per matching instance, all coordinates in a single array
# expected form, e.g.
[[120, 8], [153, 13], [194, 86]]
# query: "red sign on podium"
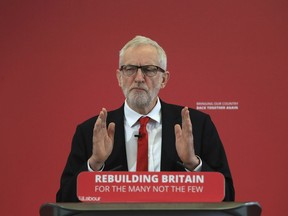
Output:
[[107, 187]]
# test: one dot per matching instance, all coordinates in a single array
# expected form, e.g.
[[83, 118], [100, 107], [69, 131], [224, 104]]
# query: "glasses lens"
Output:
[[149, 70], [129, 70]]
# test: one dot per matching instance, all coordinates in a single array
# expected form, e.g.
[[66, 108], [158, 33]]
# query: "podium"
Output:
[[151, 209]]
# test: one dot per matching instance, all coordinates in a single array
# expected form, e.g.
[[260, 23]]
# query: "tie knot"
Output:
[[144, 120]]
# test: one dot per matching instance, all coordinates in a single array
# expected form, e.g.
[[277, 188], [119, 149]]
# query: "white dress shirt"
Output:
[[154, 129]]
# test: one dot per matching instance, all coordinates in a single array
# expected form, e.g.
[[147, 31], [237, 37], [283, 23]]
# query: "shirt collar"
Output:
[[132, 117]]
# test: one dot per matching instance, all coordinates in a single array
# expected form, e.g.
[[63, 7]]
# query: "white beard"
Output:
[[139, 100]]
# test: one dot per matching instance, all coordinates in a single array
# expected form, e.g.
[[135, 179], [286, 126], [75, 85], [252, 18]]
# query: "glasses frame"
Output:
[[142, 67]]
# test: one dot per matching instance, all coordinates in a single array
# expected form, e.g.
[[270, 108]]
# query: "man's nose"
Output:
[[139, 75]]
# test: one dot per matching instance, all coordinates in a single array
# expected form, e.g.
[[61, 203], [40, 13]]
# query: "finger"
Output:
[[104, 111], [109, 140], [103, 116], [98, 122], [186, 121], [101, 120], [178, 132], [184, 114], [111, 131]]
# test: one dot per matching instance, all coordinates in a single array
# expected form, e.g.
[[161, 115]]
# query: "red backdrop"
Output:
[[57, 68]]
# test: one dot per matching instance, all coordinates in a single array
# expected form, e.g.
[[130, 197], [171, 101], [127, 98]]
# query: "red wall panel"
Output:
[[57, 68]]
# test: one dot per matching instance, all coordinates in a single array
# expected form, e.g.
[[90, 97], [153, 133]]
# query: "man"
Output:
[[180, 138]]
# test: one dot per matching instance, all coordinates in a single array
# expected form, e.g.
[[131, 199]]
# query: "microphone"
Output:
[[138, 135]]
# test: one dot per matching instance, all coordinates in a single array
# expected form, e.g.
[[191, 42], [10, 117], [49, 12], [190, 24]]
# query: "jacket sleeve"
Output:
[[213, 156], [76, 163]]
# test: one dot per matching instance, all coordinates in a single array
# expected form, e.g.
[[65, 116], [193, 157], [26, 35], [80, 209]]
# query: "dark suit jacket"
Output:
[[207, 145]]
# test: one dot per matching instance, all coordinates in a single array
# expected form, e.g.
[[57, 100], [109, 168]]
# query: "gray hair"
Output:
[[141, 40]]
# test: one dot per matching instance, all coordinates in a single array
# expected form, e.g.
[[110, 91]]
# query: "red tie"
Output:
[[142, 154]]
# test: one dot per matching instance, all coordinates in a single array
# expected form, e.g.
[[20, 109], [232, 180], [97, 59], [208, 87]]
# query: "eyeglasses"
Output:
[[147, 70]]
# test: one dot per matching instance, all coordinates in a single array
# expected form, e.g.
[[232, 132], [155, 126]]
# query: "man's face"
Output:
[[141, 91]]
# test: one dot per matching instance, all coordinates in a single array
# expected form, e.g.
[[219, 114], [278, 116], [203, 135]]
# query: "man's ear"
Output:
[[165, 78], [119, 77]]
